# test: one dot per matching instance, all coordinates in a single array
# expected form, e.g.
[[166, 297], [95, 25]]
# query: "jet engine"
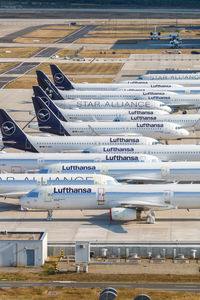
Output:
[[124, 214]]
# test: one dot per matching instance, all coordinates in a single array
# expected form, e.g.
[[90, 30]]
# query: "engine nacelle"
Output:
[[124, 214]]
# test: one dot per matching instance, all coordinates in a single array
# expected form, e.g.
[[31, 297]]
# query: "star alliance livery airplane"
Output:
[[126, 202], [191, 121], [55, 95], [17, 185], [63, 83], [14, 137], [72, 115], [48, 122]]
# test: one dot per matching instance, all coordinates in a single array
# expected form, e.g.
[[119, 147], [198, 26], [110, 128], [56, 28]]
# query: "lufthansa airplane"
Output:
[[172, 76], [55, 95], [14, 137], [17, 185], [33, 162], [48, 122], [191, 121], [96, 114], [131, 94], [174, 152], [131, 172], [62, 82], [126, 202]]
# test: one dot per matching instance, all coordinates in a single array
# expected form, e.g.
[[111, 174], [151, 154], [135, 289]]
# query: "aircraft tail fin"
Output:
[[60, 80], [12, 135], [39, 93], [46, 84], [47, 120]]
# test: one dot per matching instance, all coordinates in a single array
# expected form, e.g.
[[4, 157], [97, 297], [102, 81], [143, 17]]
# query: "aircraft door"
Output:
[[47, 196], [165, 172], [168, 197], [100, 196], [40, 162], [104, 169]]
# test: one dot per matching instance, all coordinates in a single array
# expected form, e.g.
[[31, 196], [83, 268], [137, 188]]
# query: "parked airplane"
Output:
[[98, 104], [48, 122], [17, 185], [175, 152], [131, 172], [33, 162], [188, 120], [131, 94], [155, 35], [188, 84], [62, 82], [170, 76], [13, 136], [176, 44], [126, 202]]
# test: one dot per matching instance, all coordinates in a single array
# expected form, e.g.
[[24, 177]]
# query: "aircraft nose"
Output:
[[23, 201], [167, 108], [184, 132]]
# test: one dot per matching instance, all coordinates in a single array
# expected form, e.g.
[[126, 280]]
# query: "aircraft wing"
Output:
[[13, 195], [147, 205]]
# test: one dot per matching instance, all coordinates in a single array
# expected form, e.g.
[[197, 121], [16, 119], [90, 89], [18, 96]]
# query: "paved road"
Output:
[[23, 68], [184, 287], [155, 44], [5, 80], [47, 52], [77, 34], [10, 37]]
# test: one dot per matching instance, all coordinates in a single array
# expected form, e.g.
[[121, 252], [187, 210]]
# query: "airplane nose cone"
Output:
[[23, 201], [184, 132], [167, 108]]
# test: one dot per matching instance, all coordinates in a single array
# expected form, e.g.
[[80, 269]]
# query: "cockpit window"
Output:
[[33, 194]]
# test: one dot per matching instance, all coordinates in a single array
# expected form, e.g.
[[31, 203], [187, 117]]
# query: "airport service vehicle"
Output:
[[126, 202], [171, 76], [17, 185], [131, 172], [14, 137], [33, 162], [130, 94], [62, 82], [48, 122], [177, 152]]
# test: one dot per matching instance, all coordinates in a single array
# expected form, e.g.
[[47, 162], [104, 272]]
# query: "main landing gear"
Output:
[[151, 217], [49, 216]]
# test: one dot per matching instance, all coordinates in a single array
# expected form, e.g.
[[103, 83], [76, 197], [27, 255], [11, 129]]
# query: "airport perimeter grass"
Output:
[[6, 66], [35, 40], [62, 293], [102, 40], [28, 82], [50, 33], [18, 52], [82, 68]]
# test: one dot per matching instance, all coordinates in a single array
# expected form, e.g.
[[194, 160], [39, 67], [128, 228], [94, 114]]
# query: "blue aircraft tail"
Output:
[[60, 80], [12, 135], [47, 120], [46, 84], [39, 93]]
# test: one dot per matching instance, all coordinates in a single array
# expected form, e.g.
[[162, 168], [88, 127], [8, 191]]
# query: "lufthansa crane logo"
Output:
[[8, 128], [59, 78], [46, 100], [43, 115]]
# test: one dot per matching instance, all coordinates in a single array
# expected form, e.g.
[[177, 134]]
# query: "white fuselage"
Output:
[[74, 115], [184, 82], [112, 104], [171, 76], [65, 143], [32, 162], [158, 130], [16, 185], [161, 196], [126, 171], [175, 152]]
